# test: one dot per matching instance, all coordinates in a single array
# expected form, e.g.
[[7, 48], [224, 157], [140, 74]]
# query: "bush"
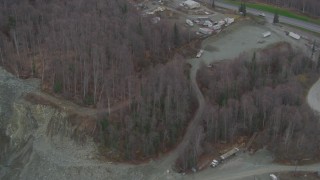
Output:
[[88, 100], [57, 87]]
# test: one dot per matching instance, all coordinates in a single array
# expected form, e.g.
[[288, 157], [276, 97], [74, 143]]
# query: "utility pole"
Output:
[[313, 49]]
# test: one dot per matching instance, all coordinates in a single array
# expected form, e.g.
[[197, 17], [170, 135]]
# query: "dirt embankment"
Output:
[[313, 97]]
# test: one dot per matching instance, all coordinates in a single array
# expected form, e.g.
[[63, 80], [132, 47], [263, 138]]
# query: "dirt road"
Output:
[[71, 107]]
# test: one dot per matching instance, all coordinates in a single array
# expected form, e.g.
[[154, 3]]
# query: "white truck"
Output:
[[214, 163], [199, 53], [262, 14]]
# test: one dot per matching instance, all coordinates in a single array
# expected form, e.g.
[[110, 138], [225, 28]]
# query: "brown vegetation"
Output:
[[90, 51], [99, 53], [155, 120], [264, 94]]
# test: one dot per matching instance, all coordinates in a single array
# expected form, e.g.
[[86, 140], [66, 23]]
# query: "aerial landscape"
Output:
[[160, 89]]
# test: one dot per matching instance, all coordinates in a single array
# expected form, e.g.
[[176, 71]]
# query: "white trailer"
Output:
[[294, 35], [206, 31], [266, 34], [229, 153]]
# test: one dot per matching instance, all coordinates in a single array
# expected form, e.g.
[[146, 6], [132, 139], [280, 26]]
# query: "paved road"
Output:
[[255, 171], [269, 17]]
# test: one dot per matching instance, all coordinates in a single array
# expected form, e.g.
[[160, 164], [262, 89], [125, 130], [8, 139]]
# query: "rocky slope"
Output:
[[36, 141], [40, 141]]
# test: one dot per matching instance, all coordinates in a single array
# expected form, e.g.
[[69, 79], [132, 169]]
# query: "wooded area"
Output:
[[102, 53], [264, 94], [89, 51], [156, 119]]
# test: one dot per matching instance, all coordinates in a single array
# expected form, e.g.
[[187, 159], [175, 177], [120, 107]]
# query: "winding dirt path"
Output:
[[170, 159], [71, 107]]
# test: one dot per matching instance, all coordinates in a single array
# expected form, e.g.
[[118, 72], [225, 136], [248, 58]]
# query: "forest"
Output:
[[155, 120], [264, 94], [100, 53], [92, 52]]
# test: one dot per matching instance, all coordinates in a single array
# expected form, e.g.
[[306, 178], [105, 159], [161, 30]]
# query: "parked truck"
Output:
[[216, 162], [229, 154]]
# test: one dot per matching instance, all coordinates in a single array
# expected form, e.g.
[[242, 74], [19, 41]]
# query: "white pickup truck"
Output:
[[199, 53], [214, 163], [262, 14]]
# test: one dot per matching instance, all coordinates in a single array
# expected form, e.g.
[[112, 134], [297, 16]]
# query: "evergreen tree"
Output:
[[213, 5], [244, 9], [11, 22], [241, 7], [318, 63], [276, 17], [140, 29], [176, 38], [313, 48]]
